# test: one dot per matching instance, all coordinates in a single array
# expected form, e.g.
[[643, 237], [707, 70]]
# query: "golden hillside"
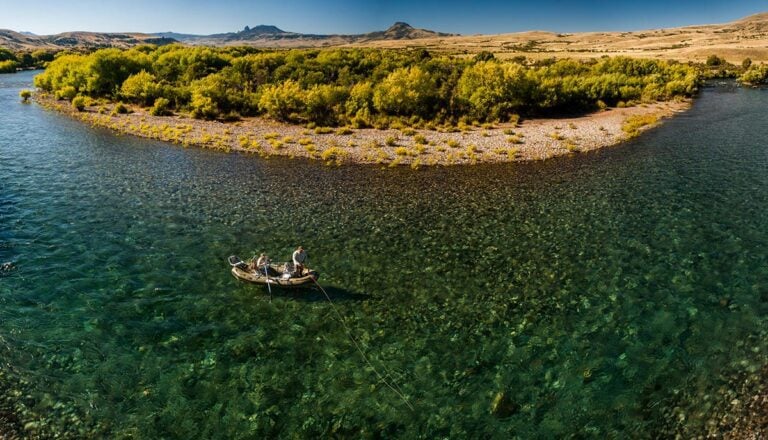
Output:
[[733, 41]]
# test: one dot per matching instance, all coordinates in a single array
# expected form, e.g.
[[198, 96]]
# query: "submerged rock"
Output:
[[502, 406], [6, 267]]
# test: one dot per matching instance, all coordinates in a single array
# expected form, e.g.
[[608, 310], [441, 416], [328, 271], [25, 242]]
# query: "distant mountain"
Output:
[[175, 36], [272, 36], [262, 29], [258, 36]]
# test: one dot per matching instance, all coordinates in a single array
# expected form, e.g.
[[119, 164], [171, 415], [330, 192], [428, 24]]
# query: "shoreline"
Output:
[[533, 139]]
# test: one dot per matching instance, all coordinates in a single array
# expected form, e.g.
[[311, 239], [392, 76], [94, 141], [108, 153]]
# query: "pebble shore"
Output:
[[533, 139]]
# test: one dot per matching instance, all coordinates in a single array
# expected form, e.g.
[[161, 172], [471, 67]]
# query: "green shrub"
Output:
[[323, 104], [556, 136], [78, 102], [8, 66], [484, 56], [140, 88], [407, 91], [67, 93], [333, 154], [323, 130], [714, 60], [203, 107], [755, 75], [25, 95], [161, 107], [282, 101], [120, 109], [493, 91]]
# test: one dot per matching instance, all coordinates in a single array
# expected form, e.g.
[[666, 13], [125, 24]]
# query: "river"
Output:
[[611, 294]]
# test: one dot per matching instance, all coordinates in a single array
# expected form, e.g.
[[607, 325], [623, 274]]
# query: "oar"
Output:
[[266, 274]]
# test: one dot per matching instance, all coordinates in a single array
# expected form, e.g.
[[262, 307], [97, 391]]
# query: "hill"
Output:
[[734, 41], [744, 38], [18, 41]]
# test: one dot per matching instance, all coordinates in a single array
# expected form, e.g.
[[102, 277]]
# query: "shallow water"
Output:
[[605, 294]]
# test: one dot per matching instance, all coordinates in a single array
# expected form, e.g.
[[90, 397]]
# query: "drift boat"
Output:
[[278, 274]]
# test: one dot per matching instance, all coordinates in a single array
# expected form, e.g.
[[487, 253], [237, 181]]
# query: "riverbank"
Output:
[[534, 139]]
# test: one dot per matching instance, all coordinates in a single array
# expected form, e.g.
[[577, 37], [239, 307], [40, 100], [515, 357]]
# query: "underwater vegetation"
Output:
[[612, 294]]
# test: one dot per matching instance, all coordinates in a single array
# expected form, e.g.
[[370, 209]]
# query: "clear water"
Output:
[[608, 294]]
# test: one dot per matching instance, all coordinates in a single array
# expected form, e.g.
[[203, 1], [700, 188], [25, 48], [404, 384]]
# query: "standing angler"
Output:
[[299, 257]]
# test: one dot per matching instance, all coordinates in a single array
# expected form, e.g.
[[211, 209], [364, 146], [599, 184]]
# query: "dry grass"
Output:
[[733, 41], [634, 124]]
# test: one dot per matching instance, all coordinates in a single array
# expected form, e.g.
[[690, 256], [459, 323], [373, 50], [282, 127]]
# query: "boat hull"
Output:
[[278, 281], [279, 274]]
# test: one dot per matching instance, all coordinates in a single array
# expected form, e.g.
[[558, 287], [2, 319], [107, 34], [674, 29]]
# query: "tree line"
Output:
[[11, 61], [359, 87]]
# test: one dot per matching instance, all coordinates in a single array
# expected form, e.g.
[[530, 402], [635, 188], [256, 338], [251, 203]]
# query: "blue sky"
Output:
[[358, 16]]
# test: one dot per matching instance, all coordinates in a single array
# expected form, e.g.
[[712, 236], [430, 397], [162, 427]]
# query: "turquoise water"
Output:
[[611, 294]]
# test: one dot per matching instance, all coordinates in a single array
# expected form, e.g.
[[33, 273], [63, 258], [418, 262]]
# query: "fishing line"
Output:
[[381, 377]]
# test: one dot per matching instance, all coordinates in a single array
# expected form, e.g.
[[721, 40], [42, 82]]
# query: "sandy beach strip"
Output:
[[532, 139]]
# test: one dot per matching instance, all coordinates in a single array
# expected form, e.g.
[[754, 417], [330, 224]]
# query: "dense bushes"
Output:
[[756, 74], [8, 66], [140, 88], [407, 91], [492, 90], [10, 62], [362, 87]]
